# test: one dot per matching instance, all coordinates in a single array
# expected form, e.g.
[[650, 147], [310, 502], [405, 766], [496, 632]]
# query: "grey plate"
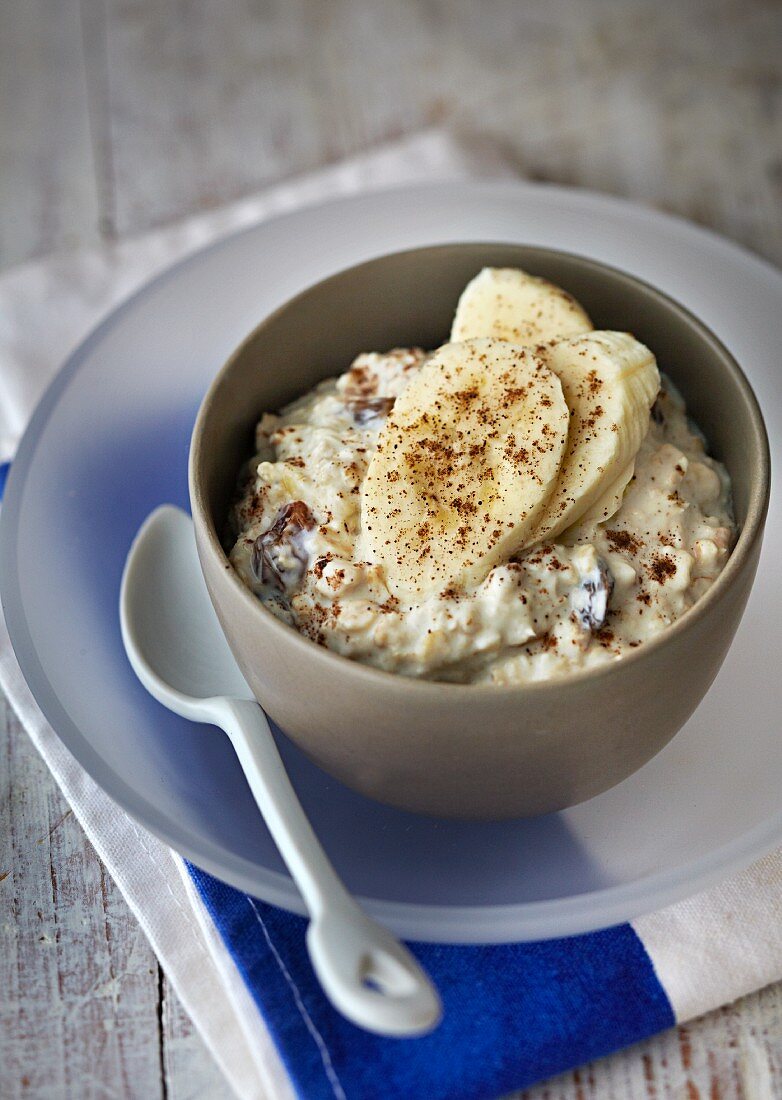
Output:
[[109, 442]]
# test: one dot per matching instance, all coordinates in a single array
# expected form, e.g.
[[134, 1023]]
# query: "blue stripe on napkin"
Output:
[[514, 1014], [4, 468]]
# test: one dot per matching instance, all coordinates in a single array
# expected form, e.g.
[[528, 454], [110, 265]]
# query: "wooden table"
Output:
[[117, 115]]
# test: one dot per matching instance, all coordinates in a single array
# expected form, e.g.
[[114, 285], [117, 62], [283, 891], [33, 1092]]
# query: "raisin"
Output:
[[366, 409], [590, 599], [278, 556], [658, 416]]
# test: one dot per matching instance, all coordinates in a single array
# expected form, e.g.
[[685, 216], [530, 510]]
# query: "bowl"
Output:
[[477, 751]]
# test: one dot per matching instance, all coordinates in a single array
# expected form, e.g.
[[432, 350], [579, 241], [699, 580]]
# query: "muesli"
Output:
[[524, 502]]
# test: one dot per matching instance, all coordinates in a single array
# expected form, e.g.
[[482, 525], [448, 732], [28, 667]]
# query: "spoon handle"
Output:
[[367, 974]]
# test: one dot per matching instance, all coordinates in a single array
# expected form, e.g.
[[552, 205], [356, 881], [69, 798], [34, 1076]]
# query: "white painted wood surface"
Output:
[[117, 115]]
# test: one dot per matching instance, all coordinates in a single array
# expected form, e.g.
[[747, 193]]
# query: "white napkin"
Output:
[[707, 950]]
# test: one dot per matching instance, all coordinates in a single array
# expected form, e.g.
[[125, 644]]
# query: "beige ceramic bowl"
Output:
[[475, 751]]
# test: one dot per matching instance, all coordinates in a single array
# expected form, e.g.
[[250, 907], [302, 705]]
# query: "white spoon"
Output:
[[177, 649]]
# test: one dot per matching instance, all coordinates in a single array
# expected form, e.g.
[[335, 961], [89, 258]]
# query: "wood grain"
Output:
[[678, 107], [47, 182], [118, 115], [80, 982]]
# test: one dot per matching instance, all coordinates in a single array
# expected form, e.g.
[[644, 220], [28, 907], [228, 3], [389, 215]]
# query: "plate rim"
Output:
[[575, 914]]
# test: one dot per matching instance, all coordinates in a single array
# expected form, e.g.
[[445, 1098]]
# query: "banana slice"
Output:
[[604, 507], [509, 304], [610, 381], [464, 465]]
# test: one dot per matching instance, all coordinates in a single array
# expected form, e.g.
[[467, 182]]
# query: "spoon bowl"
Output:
[[171, 633]]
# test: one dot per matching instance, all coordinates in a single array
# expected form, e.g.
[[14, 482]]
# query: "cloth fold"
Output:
[[514, 1013]]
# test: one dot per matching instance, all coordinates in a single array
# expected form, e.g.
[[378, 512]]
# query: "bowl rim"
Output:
[[749, 536]]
